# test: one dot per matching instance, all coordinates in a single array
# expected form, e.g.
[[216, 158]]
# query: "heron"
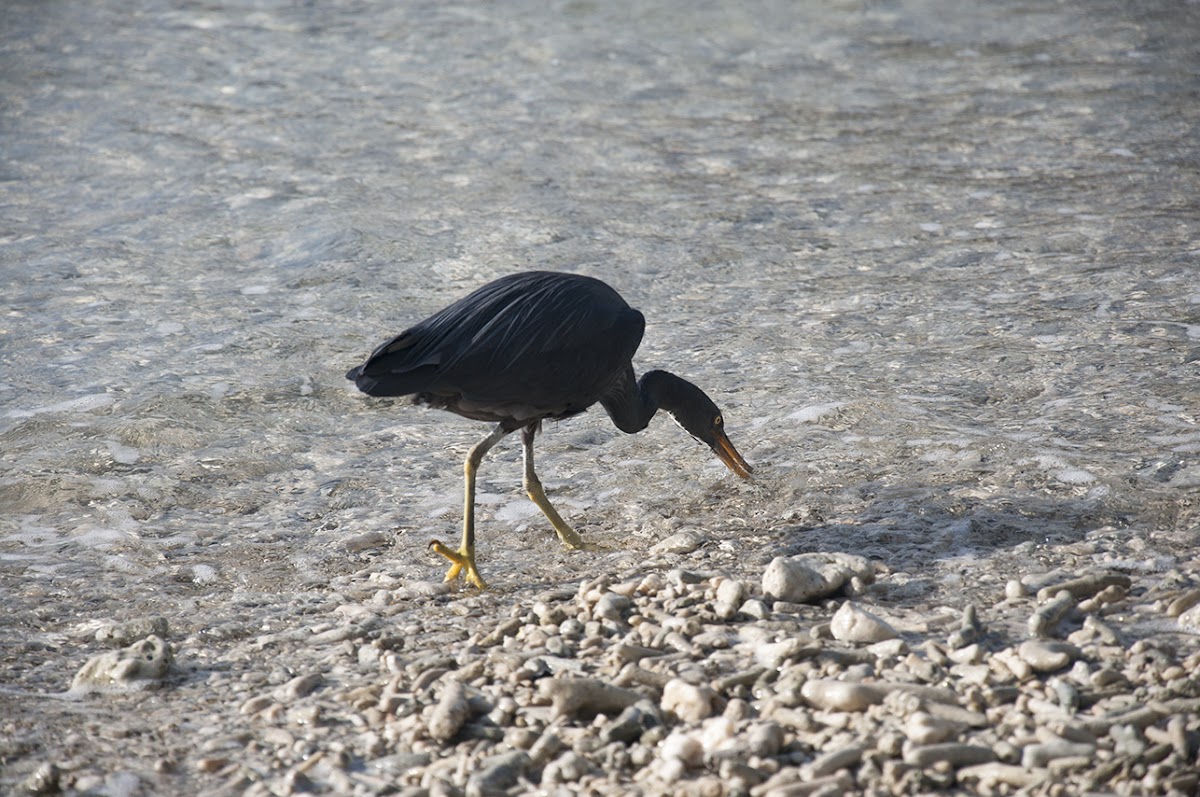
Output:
[[528, 347]]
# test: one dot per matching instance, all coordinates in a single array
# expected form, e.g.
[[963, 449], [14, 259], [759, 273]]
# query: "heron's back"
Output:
[[528, 345]]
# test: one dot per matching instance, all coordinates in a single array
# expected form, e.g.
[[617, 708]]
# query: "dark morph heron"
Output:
[[527, 347]]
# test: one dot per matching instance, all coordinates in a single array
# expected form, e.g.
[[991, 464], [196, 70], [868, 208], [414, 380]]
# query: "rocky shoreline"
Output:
[[819, 674]]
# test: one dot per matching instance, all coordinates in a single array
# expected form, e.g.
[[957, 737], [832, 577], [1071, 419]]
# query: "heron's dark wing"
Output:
[[554, 346], [408, 363], [543, 342]]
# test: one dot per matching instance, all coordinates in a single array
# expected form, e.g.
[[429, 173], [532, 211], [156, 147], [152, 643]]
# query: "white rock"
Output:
[[839, 567], [829, 762], [842, 695], [1040, 755], [756, 609], [730, 596], [688, 702], [1047, 656], [851, 623], [717, 734], [775, 654], [142, 664], [811, 576], [1012, 663], [611, 607], [652, 584], [450, 713], [923, 728], [1190, 620], [992, 774], [955, 754], [794, 582], [683, 747], [682, 542], [889, 648], [300, 686], [764, 739], [583, 696]]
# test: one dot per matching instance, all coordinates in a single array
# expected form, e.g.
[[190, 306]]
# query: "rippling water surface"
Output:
[[938, 263]]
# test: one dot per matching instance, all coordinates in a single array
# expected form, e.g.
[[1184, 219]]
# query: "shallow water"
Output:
[[938, 264]]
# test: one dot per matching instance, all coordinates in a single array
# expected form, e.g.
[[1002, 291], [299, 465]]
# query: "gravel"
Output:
[[645, 683]]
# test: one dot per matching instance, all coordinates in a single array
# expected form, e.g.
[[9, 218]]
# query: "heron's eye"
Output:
[[718, 422]]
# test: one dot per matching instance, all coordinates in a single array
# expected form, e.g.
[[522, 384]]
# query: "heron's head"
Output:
[[702, 419]]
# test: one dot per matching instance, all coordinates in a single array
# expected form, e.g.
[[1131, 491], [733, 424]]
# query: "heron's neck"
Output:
[[631, 406]]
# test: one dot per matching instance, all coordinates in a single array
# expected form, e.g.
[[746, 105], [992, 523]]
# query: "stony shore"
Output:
[[820, 674], [936, 261]]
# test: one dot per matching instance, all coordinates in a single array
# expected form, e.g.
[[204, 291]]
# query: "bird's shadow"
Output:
[[936, 528]]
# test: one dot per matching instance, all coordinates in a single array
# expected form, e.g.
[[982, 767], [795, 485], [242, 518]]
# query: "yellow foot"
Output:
[[570, 539], [460, 559], [594, 547]]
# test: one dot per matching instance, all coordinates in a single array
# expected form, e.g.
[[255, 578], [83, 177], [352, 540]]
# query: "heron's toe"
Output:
[[462, 562], [590, 546]]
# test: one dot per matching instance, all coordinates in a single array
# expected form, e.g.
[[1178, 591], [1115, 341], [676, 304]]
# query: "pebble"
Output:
[[686, 701], [630, 724], [683, 542], [1189, 620], [852, 623], [1101, 630], [548, 745], [574, 697], [789, 580], [1086, 586], [141, 665], [731, 594], [300, 686], [756, 609], [570, 767], [1044, 621], [1184, 602], [1138, 717], [775, 654], [993, 774], [888, 649], [498, 773], [955, 754], [922, 728], [611, 607], [357, 543], [831, 786], [1011, 663], [842, 695], [808, 577], [830, 762], [764, 739], [971, 654], [685, 748], [1040, 755], [450, 713], [1044, 656]]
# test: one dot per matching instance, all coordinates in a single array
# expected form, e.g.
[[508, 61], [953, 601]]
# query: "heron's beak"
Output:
[[729, 455]]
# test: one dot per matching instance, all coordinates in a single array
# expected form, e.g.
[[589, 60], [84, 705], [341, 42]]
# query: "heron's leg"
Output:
[[464, 557], [533, 486]]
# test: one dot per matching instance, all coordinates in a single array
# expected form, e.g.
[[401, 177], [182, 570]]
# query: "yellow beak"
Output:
[[730, 456]]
